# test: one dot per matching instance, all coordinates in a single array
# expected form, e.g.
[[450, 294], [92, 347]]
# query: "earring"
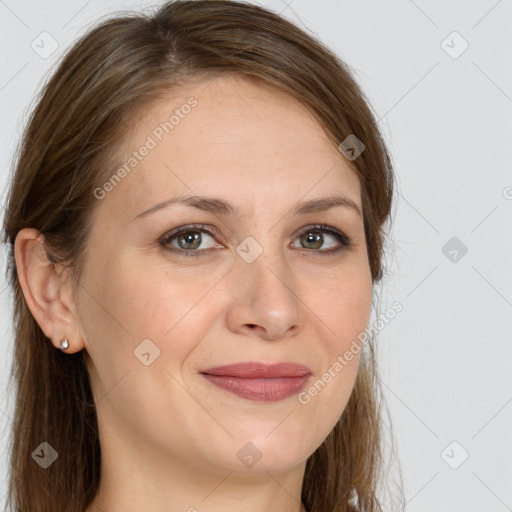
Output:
[[64, 344]]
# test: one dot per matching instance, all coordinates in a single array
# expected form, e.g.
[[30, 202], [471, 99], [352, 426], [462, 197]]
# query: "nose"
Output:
[[265, 299]]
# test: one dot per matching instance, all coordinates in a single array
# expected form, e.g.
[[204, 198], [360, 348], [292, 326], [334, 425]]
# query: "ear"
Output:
[[47, 290]]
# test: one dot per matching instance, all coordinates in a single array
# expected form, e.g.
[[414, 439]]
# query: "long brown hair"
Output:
[[69, 148]]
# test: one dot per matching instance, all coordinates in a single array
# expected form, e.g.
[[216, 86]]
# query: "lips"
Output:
[[259, 381]]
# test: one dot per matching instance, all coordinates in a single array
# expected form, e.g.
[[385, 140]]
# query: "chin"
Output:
[[264, 452]]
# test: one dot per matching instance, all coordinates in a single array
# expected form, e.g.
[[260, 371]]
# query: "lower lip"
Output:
[[260, 390]]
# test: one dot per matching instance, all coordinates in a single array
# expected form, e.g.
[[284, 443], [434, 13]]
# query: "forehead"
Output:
[[233, 138]]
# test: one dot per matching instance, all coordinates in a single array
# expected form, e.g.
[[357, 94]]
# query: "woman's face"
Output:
[[243, 284]]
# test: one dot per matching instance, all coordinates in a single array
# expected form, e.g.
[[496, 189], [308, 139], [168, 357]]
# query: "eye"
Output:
[[314, 237], [187, 240]]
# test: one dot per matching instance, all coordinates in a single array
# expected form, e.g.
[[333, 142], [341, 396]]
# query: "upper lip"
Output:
[[255, 370]]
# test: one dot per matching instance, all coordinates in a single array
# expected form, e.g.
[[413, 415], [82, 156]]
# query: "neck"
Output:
[[133, 479]]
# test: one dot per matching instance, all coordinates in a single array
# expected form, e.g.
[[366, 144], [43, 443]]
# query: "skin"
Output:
[[169, 437]]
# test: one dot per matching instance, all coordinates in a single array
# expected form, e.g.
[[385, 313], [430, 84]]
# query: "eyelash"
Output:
[[343, 239]]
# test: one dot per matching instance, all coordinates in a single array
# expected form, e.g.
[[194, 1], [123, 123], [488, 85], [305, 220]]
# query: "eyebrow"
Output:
[[219, 206]]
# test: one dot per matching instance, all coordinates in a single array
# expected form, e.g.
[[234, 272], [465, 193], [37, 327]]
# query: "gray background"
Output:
[[445, 359]]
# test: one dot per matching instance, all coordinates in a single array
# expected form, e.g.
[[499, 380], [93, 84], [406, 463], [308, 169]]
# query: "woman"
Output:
[[196, 230]]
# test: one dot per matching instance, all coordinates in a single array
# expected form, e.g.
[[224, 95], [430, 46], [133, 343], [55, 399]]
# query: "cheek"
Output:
[[131, 303], [350, 312], [130, 311], [344, 311], [343, 303]]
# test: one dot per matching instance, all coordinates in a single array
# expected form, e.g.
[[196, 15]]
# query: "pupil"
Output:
[[315, 239], [190, 238]]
